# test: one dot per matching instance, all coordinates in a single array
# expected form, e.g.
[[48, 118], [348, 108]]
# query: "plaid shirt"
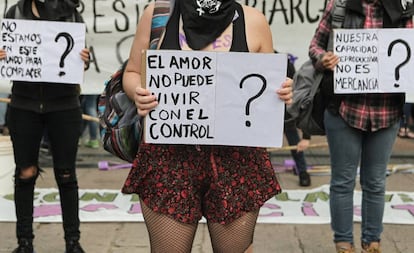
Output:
[[368, 112]]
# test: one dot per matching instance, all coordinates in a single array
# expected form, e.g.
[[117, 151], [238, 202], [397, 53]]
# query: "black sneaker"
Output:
[[304, 179], [25, 246], [74, 247]]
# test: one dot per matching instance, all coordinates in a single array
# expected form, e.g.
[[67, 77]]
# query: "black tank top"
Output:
[[238, 44]]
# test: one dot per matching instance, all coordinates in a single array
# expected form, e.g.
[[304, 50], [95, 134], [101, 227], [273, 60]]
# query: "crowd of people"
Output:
[[227, 185]]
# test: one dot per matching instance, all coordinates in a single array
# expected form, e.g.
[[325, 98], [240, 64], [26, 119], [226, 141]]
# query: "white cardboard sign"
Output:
[[42, 51], [374, 61], [220, 98]]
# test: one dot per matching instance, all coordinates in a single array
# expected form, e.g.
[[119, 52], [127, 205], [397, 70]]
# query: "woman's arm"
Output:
[[258, 33], [259, 40], [317, 50], [132, 75]]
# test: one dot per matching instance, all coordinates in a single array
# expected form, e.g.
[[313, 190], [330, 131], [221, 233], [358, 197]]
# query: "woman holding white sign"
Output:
[[178, 184], [361, 128], [34, 107]]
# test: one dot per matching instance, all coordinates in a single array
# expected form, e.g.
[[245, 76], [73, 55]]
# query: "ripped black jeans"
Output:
[[26, 131]]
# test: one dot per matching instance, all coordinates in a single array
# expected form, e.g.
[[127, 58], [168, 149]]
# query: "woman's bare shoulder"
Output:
[[254, 18], [258, 34], [252, 13]]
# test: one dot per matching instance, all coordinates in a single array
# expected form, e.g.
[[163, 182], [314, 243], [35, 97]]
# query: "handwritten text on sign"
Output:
[[374, 60], [215, 98], [42, 51]]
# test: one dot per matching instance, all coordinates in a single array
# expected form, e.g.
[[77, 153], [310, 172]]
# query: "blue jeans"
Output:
[[349, 148]]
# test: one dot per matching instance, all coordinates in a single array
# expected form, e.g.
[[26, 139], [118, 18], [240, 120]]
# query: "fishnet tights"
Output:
[[168, 235], [235, 237]]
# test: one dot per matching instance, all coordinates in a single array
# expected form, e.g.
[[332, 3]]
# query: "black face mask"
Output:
[[205, 20], [56, 9]]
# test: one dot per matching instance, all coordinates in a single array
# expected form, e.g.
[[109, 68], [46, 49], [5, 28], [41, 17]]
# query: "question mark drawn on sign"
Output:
[[69, 47], [248, 124], [397, 69]]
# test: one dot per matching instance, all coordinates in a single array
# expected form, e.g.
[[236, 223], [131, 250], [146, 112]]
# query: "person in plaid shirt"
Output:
[[361, 128]]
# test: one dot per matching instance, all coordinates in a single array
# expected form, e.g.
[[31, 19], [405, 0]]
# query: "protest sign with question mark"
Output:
[[405, 61], [395, 62], [69, 46], [373, 61], [205, 97], [249, 81], [262, 89], [34, 52]]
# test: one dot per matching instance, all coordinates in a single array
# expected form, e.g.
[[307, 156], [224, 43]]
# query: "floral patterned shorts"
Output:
[[187, 182]]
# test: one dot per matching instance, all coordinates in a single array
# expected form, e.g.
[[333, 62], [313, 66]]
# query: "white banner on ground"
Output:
[[291, 207]]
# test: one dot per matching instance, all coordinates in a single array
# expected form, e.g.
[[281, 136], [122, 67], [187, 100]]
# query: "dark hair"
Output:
[[56, 9]]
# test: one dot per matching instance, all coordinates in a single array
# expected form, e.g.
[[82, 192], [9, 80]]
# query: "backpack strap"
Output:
[[162, 10], [338, 17], [338, 13]]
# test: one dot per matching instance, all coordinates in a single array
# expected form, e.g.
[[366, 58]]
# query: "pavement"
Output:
[[131, 237]]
